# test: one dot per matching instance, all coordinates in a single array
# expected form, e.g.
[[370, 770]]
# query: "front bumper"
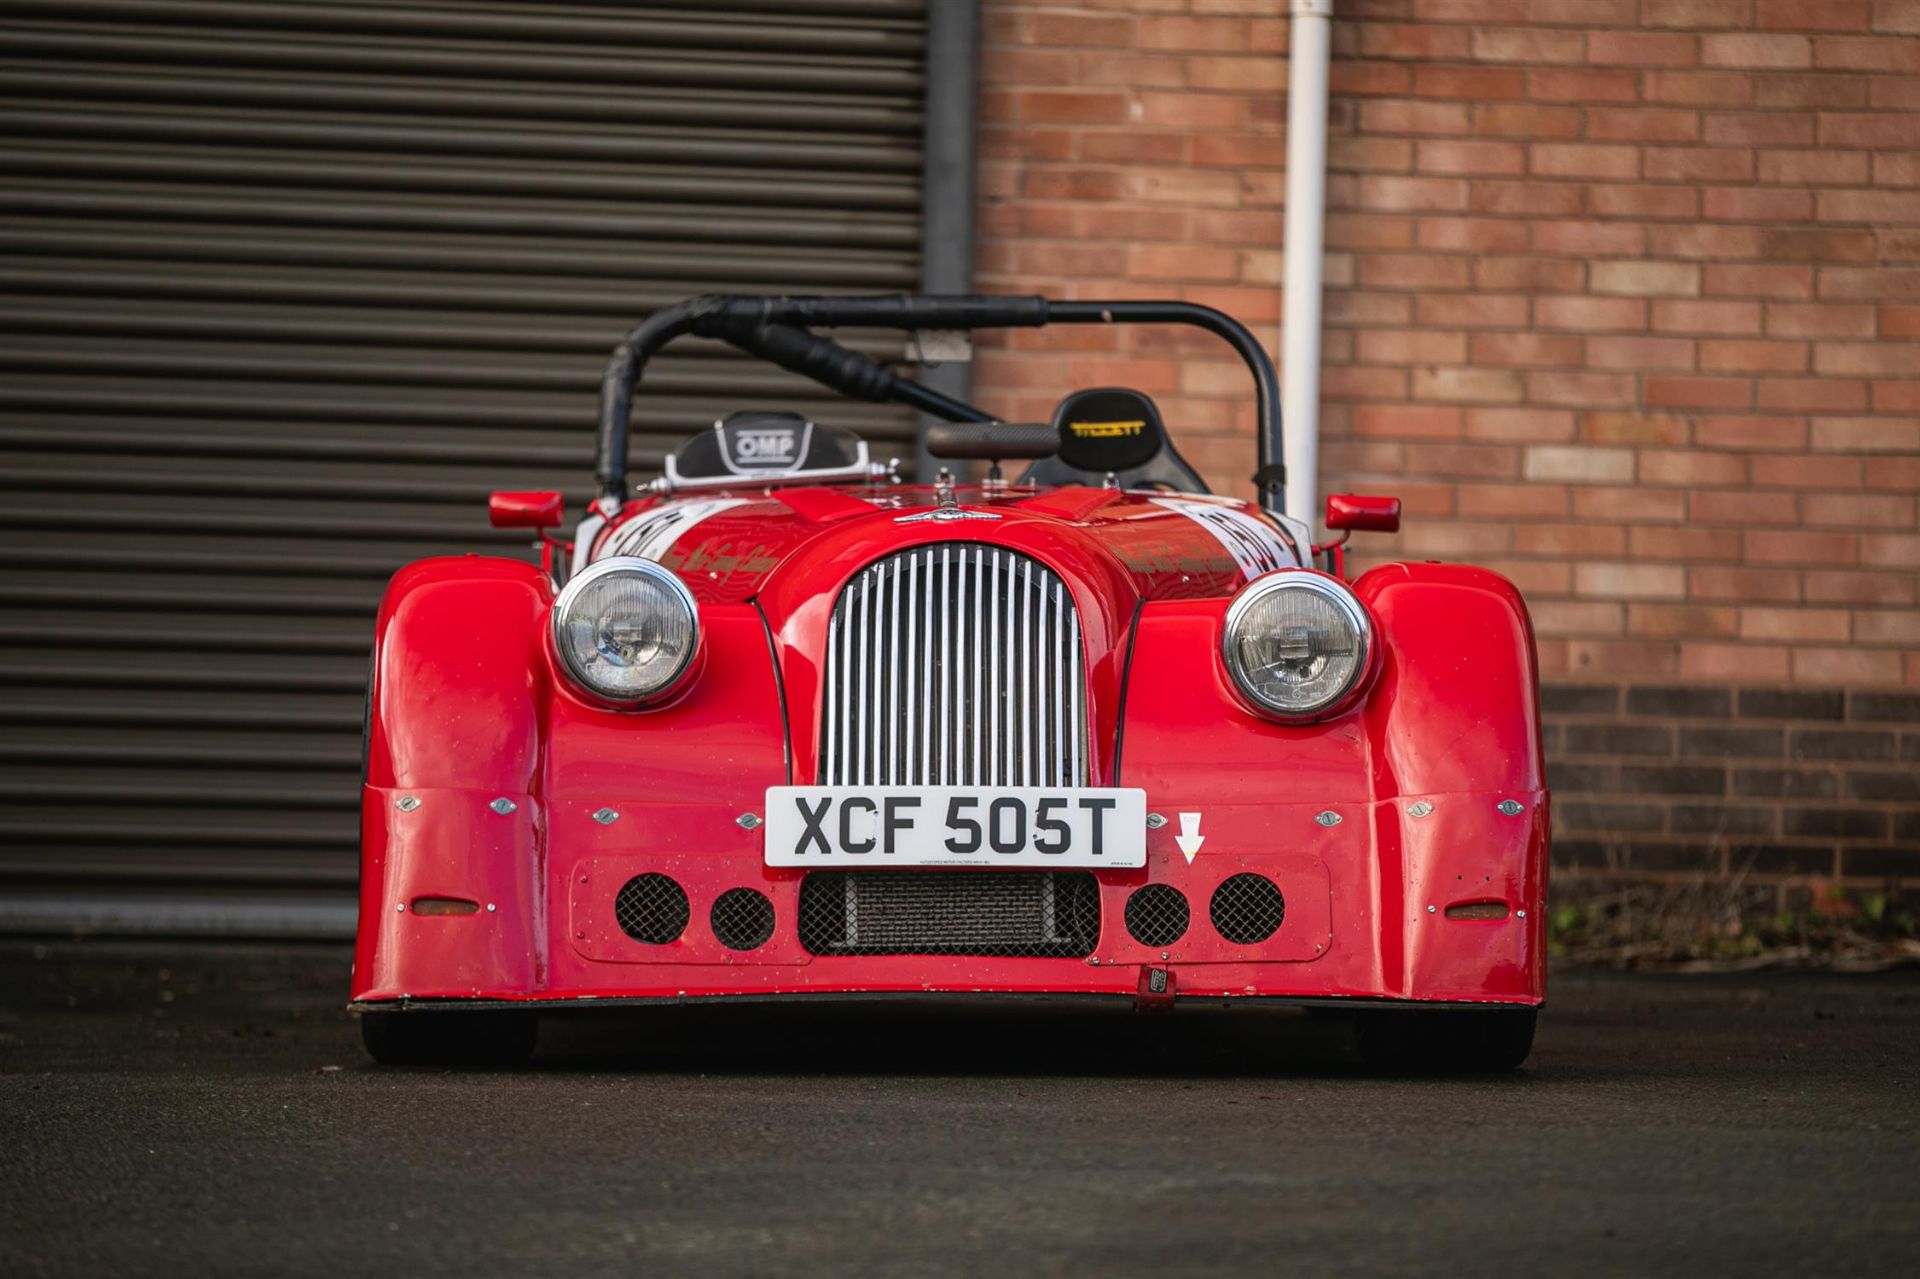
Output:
[[1367, 898]]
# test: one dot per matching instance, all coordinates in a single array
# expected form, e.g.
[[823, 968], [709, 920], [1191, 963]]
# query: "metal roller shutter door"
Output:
[[285, 289]]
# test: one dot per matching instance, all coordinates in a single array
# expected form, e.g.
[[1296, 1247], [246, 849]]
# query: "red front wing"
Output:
[[490, 781]]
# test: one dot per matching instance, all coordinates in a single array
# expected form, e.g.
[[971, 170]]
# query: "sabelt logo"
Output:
[[1107, 430]]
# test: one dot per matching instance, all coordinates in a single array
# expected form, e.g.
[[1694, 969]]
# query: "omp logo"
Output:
[[765, 446], [1107, 430]]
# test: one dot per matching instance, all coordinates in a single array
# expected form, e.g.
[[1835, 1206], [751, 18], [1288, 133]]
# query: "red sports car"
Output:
[[781, 725]]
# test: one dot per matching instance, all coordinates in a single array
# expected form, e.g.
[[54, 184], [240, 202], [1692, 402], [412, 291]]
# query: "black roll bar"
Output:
[[776, 330]]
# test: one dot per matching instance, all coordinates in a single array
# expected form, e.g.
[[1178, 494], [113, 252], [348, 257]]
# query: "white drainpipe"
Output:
[[1306, 235]]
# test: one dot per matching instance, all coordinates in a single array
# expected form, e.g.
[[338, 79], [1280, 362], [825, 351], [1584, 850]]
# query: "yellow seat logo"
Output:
[[1106, 430]]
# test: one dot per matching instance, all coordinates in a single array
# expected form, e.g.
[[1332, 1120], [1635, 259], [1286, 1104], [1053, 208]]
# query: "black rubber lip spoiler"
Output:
[[776, 329]]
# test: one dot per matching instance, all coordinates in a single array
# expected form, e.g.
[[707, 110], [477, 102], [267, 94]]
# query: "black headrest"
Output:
[[1108, 429], [758, 443]]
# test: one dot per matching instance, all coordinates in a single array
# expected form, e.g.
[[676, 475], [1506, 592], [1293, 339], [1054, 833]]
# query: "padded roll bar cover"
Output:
[[992, 441]]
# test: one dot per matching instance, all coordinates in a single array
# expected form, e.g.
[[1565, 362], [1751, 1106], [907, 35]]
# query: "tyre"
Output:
[[433, 1038], [1445, 1041]]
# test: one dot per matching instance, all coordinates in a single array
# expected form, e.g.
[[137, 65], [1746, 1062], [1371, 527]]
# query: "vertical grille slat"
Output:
[[954, 665]]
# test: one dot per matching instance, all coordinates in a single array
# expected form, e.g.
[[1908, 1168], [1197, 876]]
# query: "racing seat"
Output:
[[1113, 429]]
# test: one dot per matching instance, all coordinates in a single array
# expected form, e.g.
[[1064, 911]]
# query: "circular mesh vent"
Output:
[[742, 919], [1247, 908], [1157, 915], [651, 908]]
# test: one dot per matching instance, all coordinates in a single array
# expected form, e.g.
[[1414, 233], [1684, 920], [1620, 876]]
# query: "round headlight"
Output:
[[626, 629], [1296, 644]]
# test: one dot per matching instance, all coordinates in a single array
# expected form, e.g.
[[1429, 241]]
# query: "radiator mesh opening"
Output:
[[742, 919], [652, 908], [1247, 908], [960, 912], [1157, 915]]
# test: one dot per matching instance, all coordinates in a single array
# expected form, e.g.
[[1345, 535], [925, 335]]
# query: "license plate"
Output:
[[882, 826]]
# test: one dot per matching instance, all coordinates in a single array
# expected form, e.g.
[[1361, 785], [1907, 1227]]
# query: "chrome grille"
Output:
[[955, 664]]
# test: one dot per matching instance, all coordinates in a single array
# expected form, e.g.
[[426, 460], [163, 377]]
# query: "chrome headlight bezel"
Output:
[[569, 596], [1349, 607]]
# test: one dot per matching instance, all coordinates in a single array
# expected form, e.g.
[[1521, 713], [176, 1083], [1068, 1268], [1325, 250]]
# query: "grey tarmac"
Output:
[[169, 1109]]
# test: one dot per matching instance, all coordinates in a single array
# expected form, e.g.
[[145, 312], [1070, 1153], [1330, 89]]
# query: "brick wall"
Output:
[[1623, 299]]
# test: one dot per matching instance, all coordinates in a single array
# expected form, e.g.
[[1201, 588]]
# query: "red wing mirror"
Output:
[[1353, 513], [536, 509]]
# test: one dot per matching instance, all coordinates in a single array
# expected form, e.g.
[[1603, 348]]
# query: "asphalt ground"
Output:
[[172, 1110]]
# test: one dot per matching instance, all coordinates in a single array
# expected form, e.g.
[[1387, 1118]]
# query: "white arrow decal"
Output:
[[1189, 837]]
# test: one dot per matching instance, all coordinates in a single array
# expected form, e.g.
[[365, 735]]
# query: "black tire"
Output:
[[434, 1038], [1479, 1041]]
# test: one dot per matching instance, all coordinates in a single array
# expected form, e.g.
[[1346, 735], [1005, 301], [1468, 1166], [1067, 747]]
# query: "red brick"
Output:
[[1641, 49], [1823, 92], [1467, 385], [1688, 544], [1402, 116], [1690, 621], [1737, 431], [1646, 124], [1532, 122], [1473, 235], [1742, 508], [1867, 206], [1756, 51], [1581, 390], [1513, 501], [1716, 583], [1472, 310], [1867, 434], [1411, 346], [1205, 34], [1865, 53], [1620, 199], [1527, 199], [1699, 392], [1806, 470], [1348, 79], [1809, 394], [1252, 75], [1541, 275], [1859, 510], [1835, 586], [1819, 319], [1664, 506], [1720, 280], [1632, 428], [1732, 355], [1640, 353], [1699, 164], [1900, 321], [1757, 204], [1754, 662], [1630, 581], [1813, 168], [1414, 271], [1582, 160], [1182, 262], [1474, 84], [1080, 29], [1845, 666], [1576, 540], [1369, 231], [1528, 425], [1680, 316], [1187, 110], [1379, 192], [1705, 241], [1526, 350], [1692, 469], [1827, 15], [1757, 128], [1527, 45], [1793, 624], [1406, 421], [1700, 88], [1407, 40], [1645, 279], [1590, 239], [1065, 106], [1472, 158], [1591, 315], [1591, 659], [1773, 546], [1894, 284], [1696, 14], [1584, 86]]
